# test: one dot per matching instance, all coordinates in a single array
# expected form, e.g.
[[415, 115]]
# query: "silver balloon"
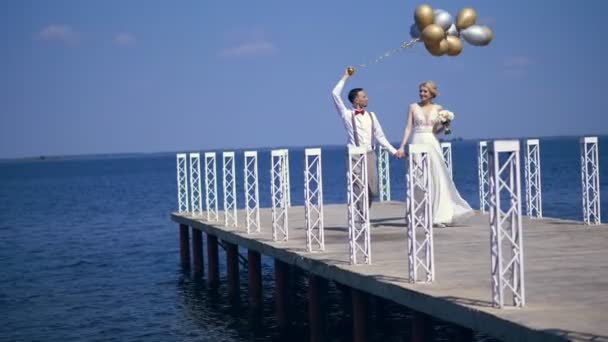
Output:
[[453, 31], [414, 31], [443, 19], [476, 35]]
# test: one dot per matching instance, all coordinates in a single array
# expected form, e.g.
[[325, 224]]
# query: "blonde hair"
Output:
[[431, 86]]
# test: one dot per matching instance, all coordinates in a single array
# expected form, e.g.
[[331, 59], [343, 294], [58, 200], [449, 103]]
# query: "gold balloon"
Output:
[[423, 16], [432, 34], [466, 17], [437, 49], [350, 70], [490, 35], [454, 45]]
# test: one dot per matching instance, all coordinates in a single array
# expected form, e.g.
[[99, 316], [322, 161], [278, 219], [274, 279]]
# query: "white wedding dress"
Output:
[[448, 205]]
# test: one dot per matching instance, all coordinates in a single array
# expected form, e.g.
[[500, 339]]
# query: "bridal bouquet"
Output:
[[446, 117]]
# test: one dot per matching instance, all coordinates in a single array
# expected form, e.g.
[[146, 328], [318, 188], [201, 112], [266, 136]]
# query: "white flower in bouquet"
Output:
[[446, 117]]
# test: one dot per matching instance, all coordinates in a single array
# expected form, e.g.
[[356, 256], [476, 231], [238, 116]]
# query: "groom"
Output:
[[362, 128]]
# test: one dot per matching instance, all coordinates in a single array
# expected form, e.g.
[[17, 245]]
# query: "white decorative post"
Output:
[[195, 184], [358, 206], [482, 159], [252, 191], [279, 195], [419, 211], [313, 198], [534, 199], [211, 186], [230, 217], [590, 177], [446, 149], [506, 246], [384, 175], [287, 179], [182, 183]]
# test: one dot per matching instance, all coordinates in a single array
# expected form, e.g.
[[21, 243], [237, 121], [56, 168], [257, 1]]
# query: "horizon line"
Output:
[[217, 149]]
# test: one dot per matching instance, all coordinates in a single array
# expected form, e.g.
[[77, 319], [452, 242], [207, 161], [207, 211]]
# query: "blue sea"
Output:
[[88, 252]]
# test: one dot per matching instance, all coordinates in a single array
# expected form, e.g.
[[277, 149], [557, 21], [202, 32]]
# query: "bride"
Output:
[[423, 117]]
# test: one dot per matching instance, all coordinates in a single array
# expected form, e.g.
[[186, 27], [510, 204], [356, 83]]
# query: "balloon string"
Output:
[[389, 53]]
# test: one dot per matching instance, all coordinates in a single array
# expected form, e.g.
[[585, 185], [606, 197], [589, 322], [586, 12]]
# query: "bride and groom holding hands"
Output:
[[423, 122]]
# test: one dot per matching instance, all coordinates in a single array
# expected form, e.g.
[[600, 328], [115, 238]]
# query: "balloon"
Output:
[[453, 31], [414, 31], [489, 34], [437, 49], [443, 19], [423, 16], [432, 34], [477, 35], [466, 17], [454, 46]]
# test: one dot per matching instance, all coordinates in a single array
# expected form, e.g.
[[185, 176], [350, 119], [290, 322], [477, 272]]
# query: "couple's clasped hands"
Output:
[[400, 153]]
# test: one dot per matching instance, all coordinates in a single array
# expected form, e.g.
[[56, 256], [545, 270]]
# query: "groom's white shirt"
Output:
[[363, 122]]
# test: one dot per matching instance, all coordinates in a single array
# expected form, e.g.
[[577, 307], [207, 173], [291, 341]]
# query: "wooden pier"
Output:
[[566, 270]]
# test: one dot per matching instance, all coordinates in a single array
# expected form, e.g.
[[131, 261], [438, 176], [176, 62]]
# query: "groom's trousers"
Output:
[[372, 178]]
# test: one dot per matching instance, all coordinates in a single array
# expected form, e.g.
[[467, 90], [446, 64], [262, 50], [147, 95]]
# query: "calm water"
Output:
[[88, 251]]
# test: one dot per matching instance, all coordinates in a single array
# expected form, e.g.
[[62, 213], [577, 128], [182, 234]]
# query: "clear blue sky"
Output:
[[79, 77]]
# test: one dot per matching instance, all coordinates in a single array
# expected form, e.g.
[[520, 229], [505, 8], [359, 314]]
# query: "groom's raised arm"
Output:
[[337, 96]]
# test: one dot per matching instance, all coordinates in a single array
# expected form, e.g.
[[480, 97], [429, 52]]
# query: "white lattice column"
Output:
[[287, 178], [313, 199], [506, 246], [534, 198], [482, 161], [419, 213], [195, 184], [182, 183], [358, 207], [279, 187], [211, 186], [446, 149], [590, 178], [229, 184], [252, 195], [384, 175]]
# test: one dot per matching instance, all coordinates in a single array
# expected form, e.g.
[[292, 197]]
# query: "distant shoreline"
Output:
[[43, 158]]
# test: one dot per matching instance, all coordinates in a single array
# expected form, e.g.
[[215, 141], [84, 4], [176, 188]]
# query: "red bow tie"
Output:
[[359, 111]]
